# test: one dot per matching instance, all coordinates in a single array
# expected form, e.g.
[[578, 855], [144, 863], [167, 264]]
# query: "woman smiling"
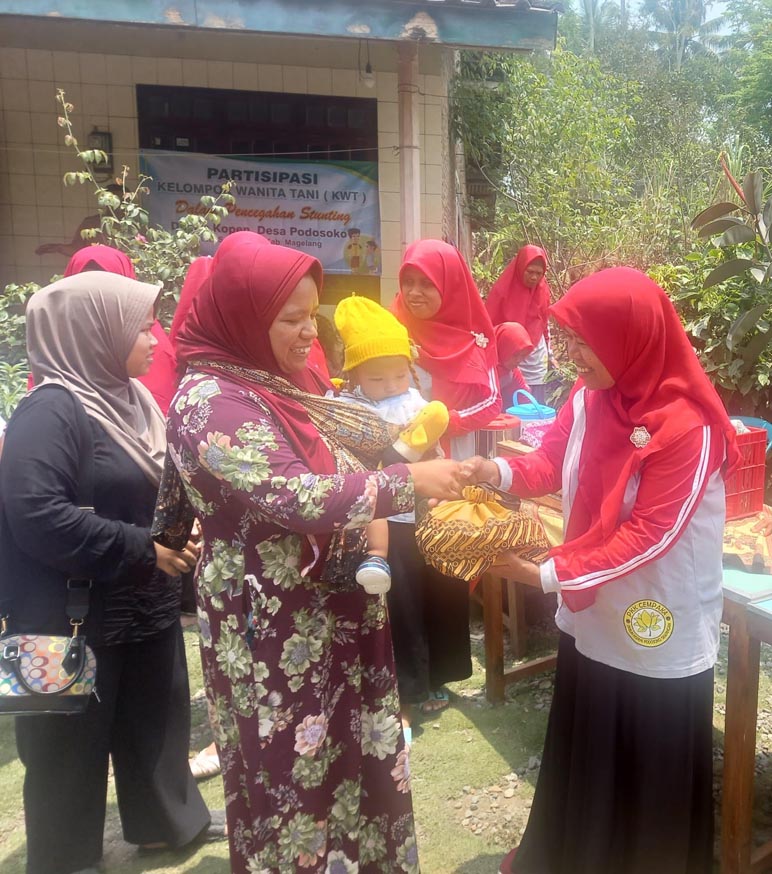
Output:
[[640, 451], [298, 658]]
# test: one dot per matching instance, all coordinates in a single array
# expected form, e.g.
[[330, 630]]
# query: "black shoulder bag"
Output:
[[41, 673]]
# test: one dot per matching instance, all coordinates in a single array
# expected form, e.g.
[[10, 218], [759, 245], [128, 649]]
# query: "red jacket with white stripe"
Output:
[[473, 405], [657, 578]]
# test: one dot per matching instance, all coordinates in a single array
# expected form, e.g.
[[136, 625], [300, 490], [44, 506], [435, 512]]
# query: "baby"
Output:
[[377, 367]]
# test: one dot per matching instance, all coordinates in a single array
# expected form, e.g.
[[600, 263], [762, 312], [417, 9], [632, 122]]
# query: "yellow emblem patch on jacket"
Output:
[[648, 623]]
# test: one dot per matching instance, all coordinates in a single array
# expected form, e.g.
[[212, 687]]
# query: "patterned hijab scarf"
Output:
[[227, 333], [80, 332]]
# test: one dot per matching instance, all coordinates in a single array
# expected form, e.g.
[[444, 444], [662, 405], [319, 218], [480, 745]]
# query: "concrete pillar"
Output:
[[409, 144]]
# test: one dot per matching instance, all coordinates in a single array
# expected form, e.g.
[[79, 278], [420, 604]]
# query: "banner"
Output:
[[328, 210]]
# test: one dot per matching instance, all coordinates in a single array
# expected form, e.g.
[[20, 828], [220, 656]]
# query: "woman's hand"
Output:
[[174, 562], [511, 565], [441, 478], [481, 470]]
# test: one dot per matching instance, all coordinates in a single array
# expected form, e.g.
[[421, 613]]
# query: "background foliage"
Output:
[[604, 151]]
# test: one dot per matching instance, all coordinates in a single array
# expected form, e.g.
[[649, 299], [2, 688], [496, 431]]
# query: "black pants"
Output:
[[626, 780], [142, 720], [429, 616]]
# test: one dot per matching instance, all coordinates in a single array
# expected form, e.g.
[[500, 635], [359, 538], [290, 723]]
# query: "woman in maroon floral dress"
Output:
[[298, 658]]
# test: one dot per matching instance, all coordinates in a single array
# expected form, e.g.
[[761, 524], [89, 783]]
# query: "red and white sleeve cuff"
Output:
[[505, 474], [549, 576]]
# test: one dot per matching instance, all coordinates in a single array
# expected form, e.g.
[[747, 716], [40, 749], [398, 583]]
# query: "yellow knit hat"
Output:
[[369, 331]]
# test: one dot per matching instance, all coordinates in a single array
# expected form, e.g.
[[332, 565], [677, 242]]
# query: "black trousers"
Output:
[[429, 616], [142, 720], [626, 780]]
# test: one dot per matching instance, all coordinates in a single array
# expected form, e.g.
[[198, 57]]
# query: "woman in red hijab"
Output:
[[521, 294], [641, 451], [439, 304], [298, 658], [513, 345], [199, 272], [441, 308], [161, 379]]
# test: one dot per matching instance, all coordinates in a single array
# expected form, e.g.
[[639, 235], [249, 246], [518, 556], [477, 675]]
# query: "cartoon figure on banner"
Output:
[[355, 251], [372, 262]]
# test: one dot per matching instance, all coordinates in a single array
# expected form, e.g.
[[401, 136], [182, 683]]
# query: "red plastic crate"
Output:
[[745, 488]]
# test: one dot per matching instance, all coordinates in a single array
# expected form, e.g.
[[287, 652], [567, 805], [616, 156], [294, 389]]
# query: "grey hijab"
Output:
[[80, 332]]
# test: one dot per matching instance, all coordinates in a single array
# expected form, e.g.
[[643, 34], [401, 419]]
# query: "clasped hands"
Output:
[[443, 480]]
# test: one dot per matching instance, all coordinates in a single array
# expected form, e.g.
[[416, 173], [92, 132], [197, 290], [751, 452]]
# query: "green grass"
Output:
[[470, 808]]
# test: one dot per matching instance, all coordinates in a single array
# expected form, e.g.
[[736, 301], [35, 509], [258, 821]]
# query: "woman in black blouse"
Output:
[[87, 336]]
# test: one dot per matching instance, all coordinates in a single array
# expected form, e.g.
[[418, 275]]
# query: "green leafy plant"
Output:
[[741, 277], [158, 255]]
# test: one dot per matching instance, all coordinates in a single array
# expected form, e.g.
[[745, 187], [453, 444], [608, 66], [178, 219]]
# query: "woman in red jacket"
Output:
[[439, 304], [640, 451]]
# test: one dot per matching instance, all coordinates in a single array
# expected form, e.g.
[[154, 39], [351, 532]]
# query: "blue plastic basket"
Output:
[[530, 411]]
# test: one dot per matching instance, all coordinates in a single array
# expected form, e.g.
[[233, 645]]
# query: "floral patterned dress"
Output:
[[299, 672]]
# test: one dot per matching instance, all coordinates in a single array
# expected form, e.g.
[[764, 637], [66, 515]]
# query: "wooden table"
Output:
[[496, 678], [493, 587], [748, 612]]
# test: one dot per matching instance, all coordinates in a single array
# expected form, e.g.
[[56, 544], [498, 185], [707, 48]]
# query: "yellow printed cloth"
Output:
[[464, 538], [550, 519]]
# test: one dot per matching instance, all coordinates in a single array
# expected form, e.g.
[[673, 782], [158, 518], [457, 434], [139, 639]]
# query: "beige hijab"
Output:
[[80, 332]]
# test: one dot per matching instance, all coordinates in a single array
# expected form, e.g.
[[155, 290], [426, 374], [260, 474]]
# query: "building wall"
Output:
[[99, 71]]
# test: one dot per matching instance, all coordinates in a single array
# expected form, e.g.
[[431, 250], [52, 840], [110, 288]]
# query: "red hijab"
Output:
[[200, 270], [511, 338], [631, 325], [161, 379], [456, 346], [105, 257], [510, 299], [229, 321], [197, 274]]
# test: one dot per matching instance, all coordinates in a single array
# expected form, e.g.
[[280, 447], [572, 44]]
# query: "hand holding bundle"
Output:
[[464, 538]]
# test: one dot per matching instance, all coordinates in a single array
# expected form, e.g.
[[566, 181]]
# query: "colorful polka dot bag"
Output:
[[45, 674]]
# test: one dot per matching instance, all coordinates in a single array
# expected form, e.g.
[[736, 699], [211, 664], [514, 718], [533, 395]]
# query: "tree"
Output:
[[750, 56], [680, 29]]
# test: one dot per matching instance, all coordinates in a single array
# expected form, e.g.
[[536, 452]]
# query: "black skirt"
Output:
[[429, 616], [626, 779]]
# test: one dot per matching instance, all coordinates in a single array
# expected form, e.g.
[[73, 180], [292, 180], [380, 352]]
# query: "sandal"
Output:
[[216, 830], [204, 765], [438, 700]]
